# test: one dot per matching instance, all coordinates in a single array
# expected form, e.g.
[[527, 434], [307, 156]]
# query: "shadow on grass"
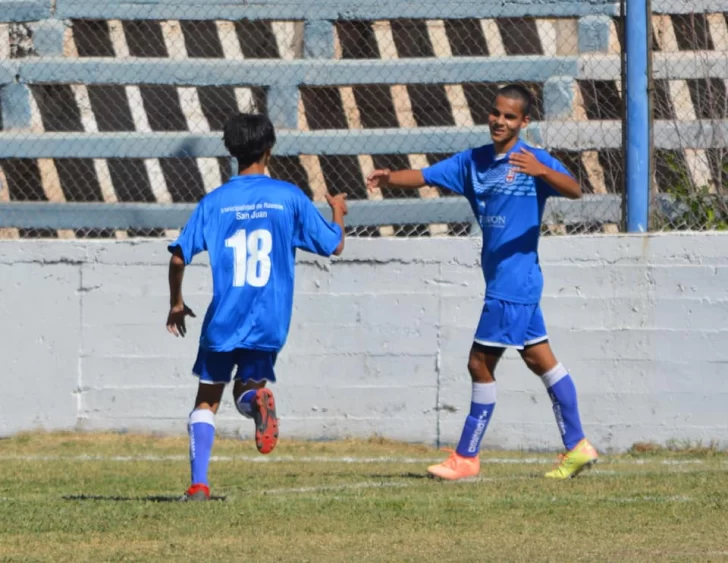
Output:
[[153, 498], [408, 475]]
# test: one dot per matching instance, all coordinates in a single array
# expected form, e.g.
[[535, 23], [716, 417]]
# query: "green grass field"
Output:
[[350, 501]]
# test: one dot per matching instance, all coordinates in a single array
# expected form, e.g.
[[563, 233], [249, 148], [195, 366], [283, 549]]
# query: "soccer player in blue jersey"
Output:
[[507, 184], [250, 227]]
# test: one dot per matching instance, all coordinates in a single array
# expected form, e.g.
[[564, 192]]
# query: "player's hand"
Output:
[[176, 319], [338, 201], [526, 162], [378, 179]]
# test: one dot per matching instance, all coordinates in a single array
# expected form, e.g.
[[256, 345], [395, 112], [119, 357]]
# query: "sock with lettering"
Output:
[[562, 391], [481, 411]]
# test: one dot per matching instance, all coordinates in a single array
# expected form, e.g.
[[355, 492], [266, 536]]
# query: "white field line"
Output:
[[251, 459], [506, 478], [388, 485], [343, 487], [406, 484], [344, 460], [364, 485], [498, 479], [649, 498], [377, 485]]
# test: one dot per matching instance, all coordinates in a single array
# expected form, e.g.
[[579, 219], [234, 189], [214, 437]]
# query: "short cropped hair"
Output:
[[518, 92], [247, 137]]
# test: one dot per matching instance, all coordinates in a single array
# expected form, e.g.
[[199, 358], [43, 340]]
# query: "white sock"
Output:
[[554, 375], [484, 393]]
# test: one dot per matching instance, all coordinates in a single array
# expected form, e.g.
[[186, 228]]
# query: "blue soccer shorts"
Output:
[[510, 325], [249, 365]]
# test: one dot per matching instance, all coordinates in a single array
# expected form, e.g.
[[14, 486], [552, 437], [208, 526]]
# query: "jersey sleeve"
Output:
[[555, 164], [451, 173], [191, 240], [312, 232]]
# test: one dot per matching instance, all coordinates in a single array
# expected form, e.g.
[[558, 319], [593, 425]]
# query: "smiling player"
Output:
[[507, 184]]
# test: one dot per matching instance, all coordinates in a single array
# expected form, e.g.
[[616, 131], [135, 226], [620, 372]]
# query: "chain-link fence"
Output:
[[123, 103], [690, 184]]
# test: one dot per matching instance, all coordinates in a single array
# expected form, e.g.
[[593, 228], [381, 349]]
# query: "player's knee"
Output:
[[209, 396], [240, 388], [242, 408], [539, 365], [539, 359], [532, 363], [479, 371], [205, 406]]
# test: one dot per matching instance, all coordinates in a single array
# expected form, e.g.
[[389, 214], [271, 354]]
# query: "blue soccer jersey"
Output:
[[251, 227], [509, 207]]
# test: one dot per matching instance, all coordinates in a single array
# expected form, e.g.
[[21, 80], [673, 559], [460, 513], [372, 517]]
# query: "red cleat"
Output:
[[266, 422], [197, 492]]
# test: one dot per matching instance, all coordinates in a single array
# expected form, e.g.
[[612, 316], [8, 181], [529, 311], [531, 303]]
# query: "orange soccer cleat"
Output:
[[456, 467]]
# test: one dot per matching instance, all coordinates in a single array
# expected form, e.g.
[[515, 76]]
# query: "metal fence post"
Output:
[[638, 122]]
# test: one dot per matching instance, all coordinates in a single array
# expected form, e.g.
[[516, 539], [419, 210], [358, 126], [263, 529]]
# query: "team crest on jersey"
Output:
[[510, 175]]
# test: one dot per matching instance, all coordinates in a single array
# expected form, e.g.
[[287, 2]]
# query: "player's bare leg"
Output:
[[201, 428], [464, 461], [482, 363], [254, 400], [580, 454], [539, 358], [209, 396]]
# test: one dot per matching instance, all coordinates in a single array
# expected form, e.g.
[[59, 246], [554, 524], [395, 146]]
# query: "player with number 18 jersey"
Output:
[[251, 228]]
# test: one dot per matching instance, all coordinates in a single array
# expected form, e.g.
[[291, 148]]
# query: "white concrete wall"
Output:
[[379, 341]]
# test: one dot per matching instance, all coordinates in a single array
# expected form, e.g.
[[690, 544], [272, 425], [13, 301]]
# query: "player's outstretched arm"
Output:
[[404, 179], [177, 308], [339, 209], [527, 163]]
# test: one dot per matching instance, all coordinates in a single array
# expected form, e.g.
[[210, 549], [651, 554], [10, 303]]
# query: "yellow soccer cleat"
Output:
[[573, 462], [456, 467]]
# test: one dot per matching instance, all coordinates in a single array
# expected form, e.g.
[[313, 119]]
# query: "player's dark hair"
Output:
[[247, 137], [520, 93]]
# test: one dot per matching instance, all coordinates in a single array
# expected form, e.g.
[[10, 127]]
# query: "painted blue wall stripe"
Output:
[[314, 72], [8, 71], [34, 10], [324, 9], [362, 213], [221, 72], [556, 135], [358, 9], [16, 109], [24, 10]]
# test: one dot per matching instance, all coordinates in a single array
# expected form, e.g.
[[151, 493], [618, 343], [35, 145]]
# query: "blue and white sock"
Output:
[[562, 391], [201, 428], [481, 411], [245, 403]]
